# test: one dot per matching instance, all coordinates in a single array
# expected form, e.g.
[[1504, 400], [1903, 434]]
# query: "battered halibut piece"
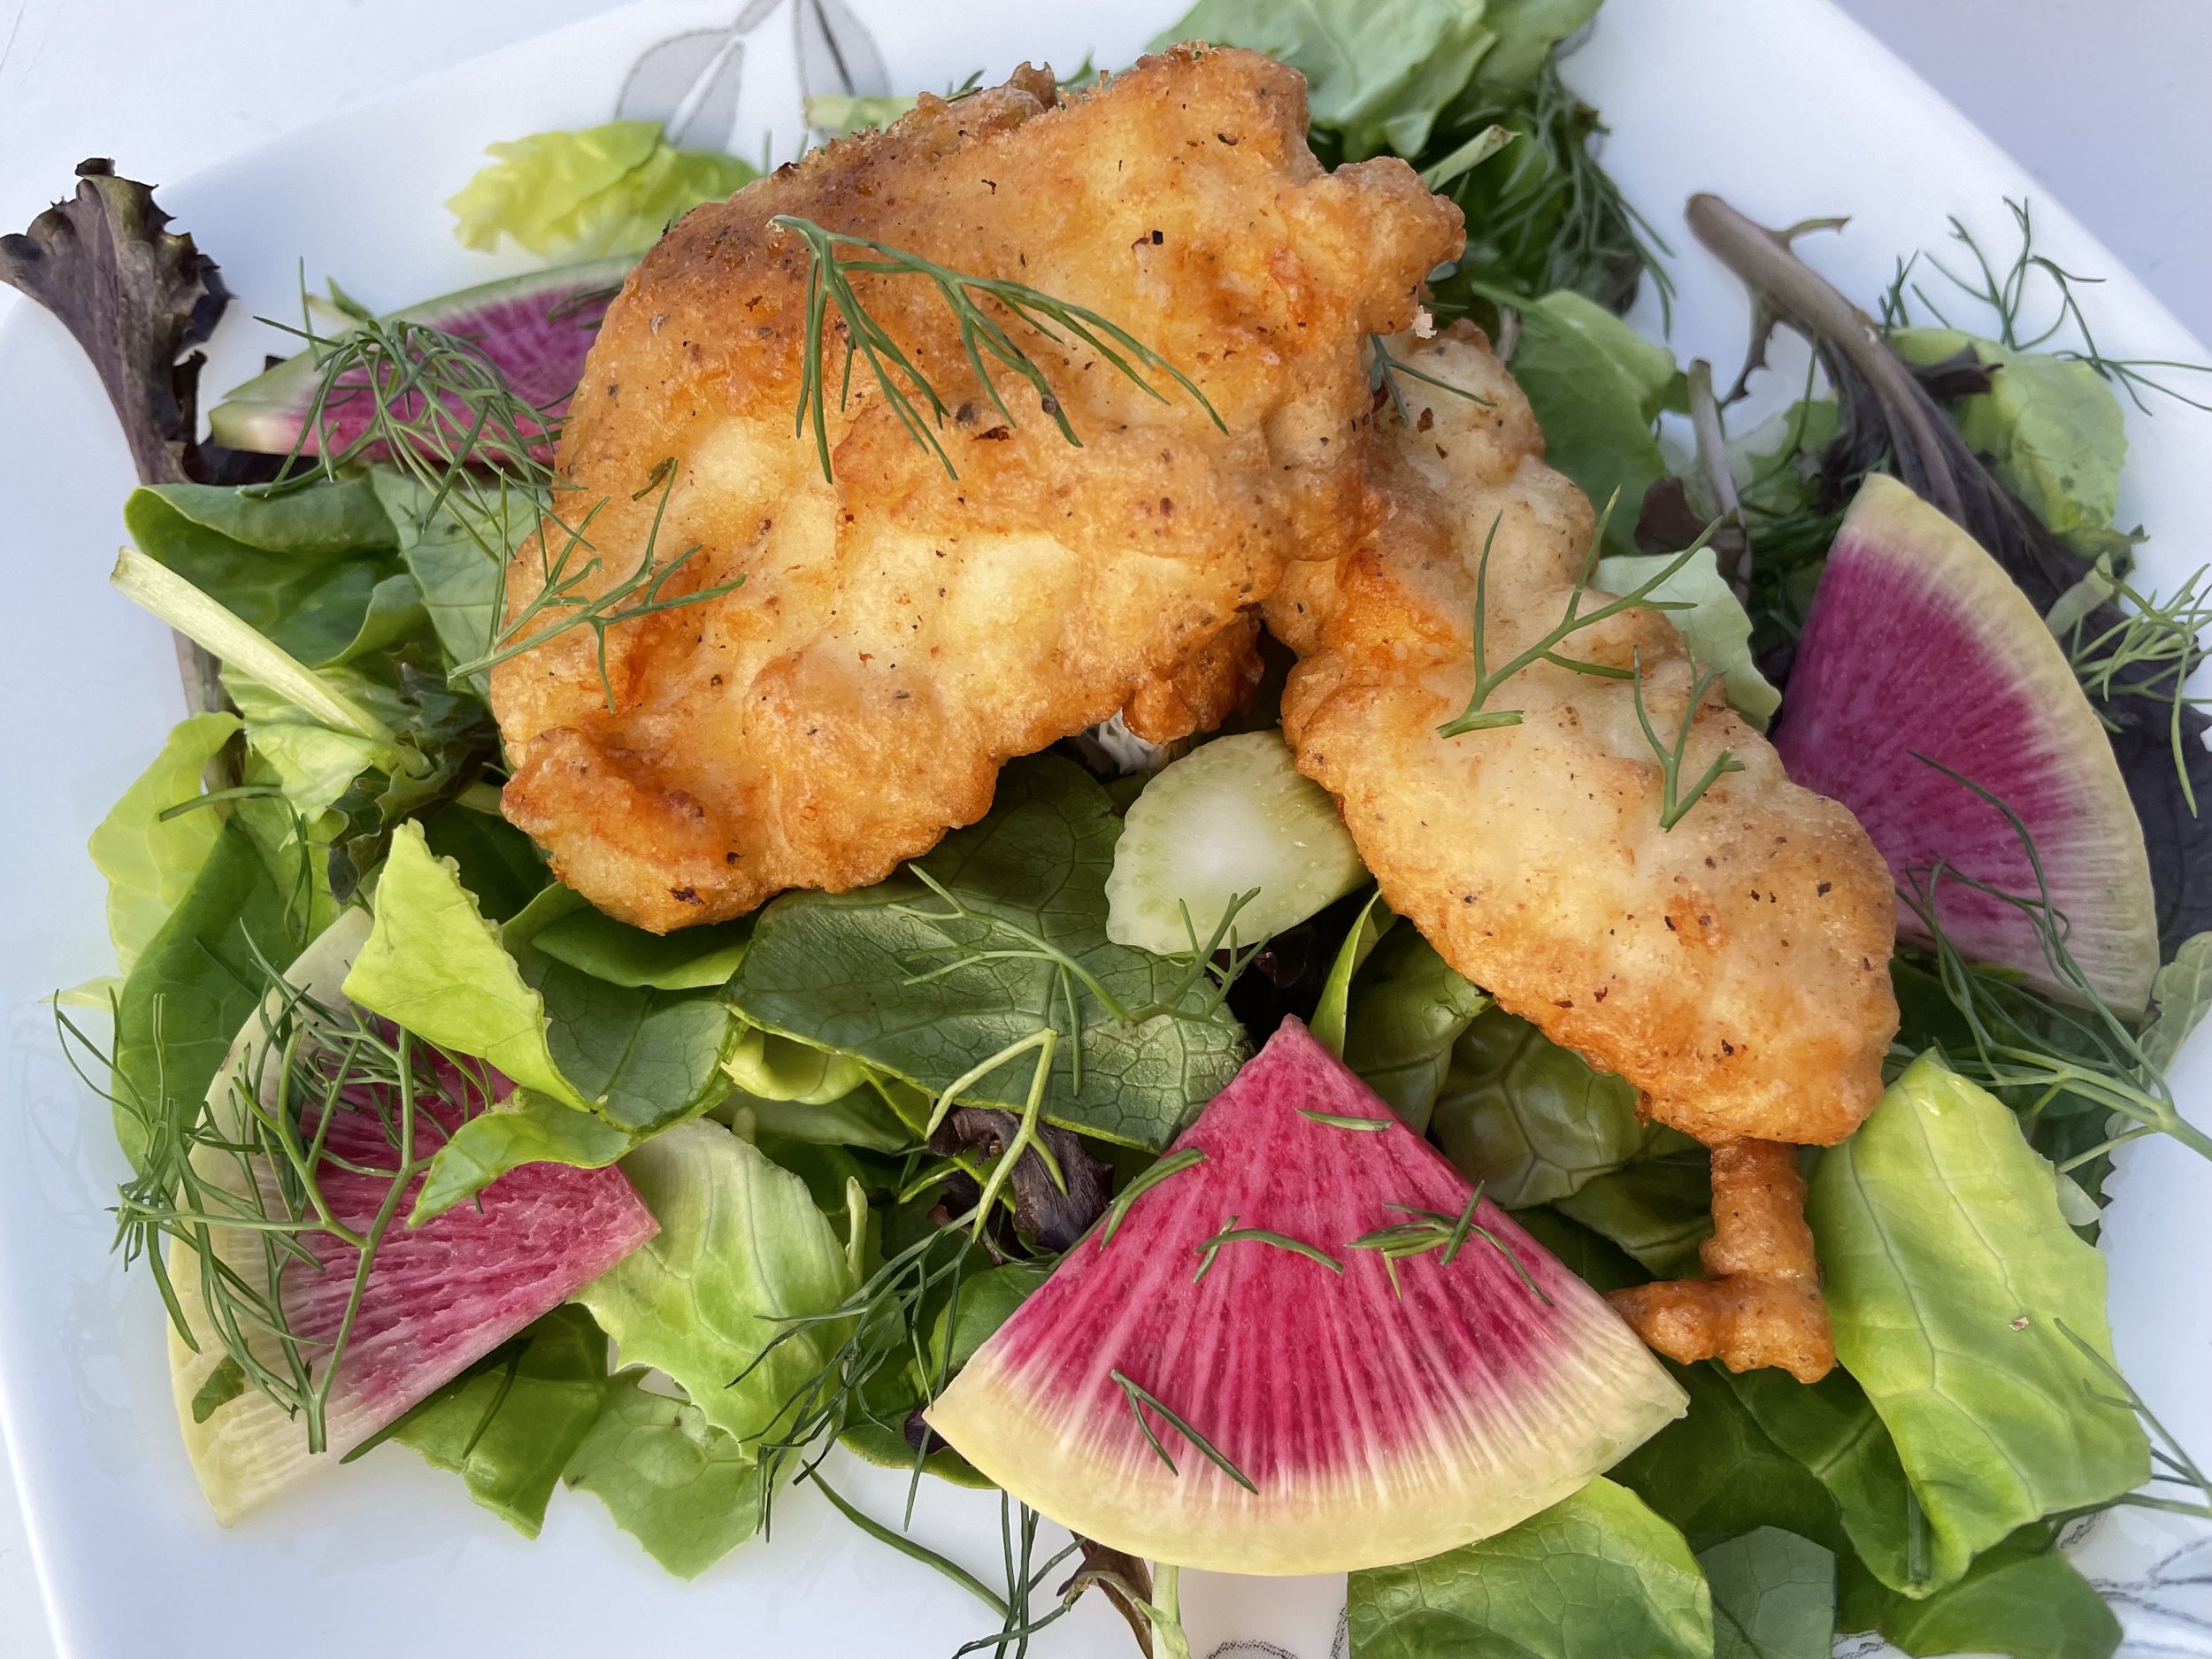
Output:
[[1735, 968], [900, 632]]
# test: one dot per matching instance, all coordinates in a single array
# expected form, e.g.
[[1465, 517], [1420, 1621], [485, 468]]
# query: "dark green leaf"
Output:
[[301, 566], [1597, 1573], [499, 863], [511, 1427], [1408, 1007], [843, 971], [1532, 1121], [693, 958], [1774, 1596], [1596, 1261], [650, 1058], [197, 980], [683, 1488], [2022, 1599], [1659, 1209]]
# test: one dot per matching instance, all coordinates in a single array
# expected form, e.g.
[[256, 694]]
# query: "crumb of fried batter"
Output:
[[1760, 1302]]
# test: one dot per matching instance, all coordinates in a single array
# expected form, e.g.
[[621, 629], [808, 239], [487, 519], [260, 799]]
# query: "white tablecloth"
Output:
[[2102, 100]]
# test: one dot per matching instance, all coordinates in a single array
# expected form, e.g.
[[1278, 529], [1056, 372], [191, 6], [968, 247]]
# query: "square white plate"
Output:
[[1781, 105]]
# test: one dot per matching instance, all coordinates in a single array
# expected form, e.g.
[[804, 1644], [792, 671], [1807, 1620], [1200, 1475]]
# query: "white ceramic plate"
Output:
[[1782, 105]]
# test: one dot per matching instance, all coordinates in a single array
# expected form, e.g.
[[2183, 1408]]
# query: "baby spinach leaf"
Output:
[[1532, 1121], [1596, 1573], [1377, 71], [1774, 1596], [435, 965], [1831, 1428], [1716, 1474], [150, 861], [1408, 1008], [1950, 1271], [456, 574], [2023, 1598], [648, 1058], [1596, 386], [691, 959], [891, 977], [1716, 627], [1659, 1209], [741, 1248], [197, 981], [510, 1427], [2181, 993], [300, 567], [527, 1128], [684, 1489], [1596, 1261], [590, 191]]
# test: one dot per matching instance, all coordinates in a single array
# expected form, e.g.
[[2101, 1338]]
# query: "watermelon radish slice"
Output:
[[1374, 1422], [439, 1297], [536, 329], [1919, 644]]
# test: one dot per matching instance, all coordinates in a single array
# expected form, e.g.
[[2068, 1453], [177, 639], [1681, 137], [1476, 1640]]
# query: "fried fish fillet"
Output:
[[901, 632], [1735, 968]]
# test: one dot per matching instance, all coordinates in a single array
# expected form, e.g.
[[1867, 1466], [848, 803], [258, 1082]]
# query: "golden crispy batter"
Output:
[[1735, 968], [900, 634], [1761, 1303], [1217, 682]]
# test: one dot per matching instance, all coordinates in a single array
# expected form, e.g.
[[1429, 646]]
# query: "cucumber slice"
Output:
[[1227, 817]]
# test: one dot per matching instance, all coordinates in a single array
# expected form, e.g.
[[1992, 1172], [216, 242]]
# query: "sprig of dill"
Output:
[[1674, 801], [1475, 717], [2148, 652], [1118, 1212], [2170, 1462], [1141, 1398], [983, 338], [1431, 1230], [1383, 370], [1231, 1233]]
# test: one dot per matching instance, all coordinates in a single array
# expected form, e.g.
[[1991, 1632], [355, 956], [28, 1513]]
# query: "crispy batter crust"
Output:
[[1735, 968], [1760, 1304], [900, 632]]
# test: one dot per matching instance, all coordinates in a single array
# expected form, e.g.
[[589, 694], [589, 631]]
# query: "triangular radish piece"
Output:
[[438, 1297], [1919, 645], [1375, 1422]]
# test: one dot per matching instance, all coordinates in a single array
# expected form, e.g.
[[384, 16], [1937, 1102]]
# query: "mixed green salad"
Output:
[[866, 1128]]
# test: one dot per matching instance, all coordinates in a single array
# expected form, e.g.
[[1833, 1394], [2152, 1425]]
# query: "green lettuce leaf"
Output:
[[690, 959], [1406, 1009], [509, 1426], [1949, 1270], [526, 1128], [1526, 31], [648, 1058], [496, 861], [1774, 1596], [2022, 1598], [1716, 1474], [768, 1067], [840, 971], [1596, 386], [1715, 627], [741, 1246], [683, 1488], [197, 980], [150, 861], [435, 966], [1532, 1121], [1659, 1209], [1831, 1427], [589, 192], [1377, 73], [456, 577], [2052, 428], [858, 1118], [302, 568], [840, 114], [1596, 1573], [2181, 994]]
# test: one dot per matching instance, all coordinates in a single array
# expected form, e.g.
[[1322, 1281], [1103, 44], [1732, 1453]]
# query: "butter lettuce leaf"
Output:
[[1949, 1273], [741, 1248], [509, 1426], [435, 965], [1596, 1573], [150, 861], [1715, 627], [683, 1488], [584, 193], [850, 972], [525, 1128]]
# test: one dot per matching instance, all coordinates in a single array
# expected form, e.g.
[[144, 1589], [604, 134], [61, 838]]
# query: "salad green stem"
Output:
[[909, 1548]]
